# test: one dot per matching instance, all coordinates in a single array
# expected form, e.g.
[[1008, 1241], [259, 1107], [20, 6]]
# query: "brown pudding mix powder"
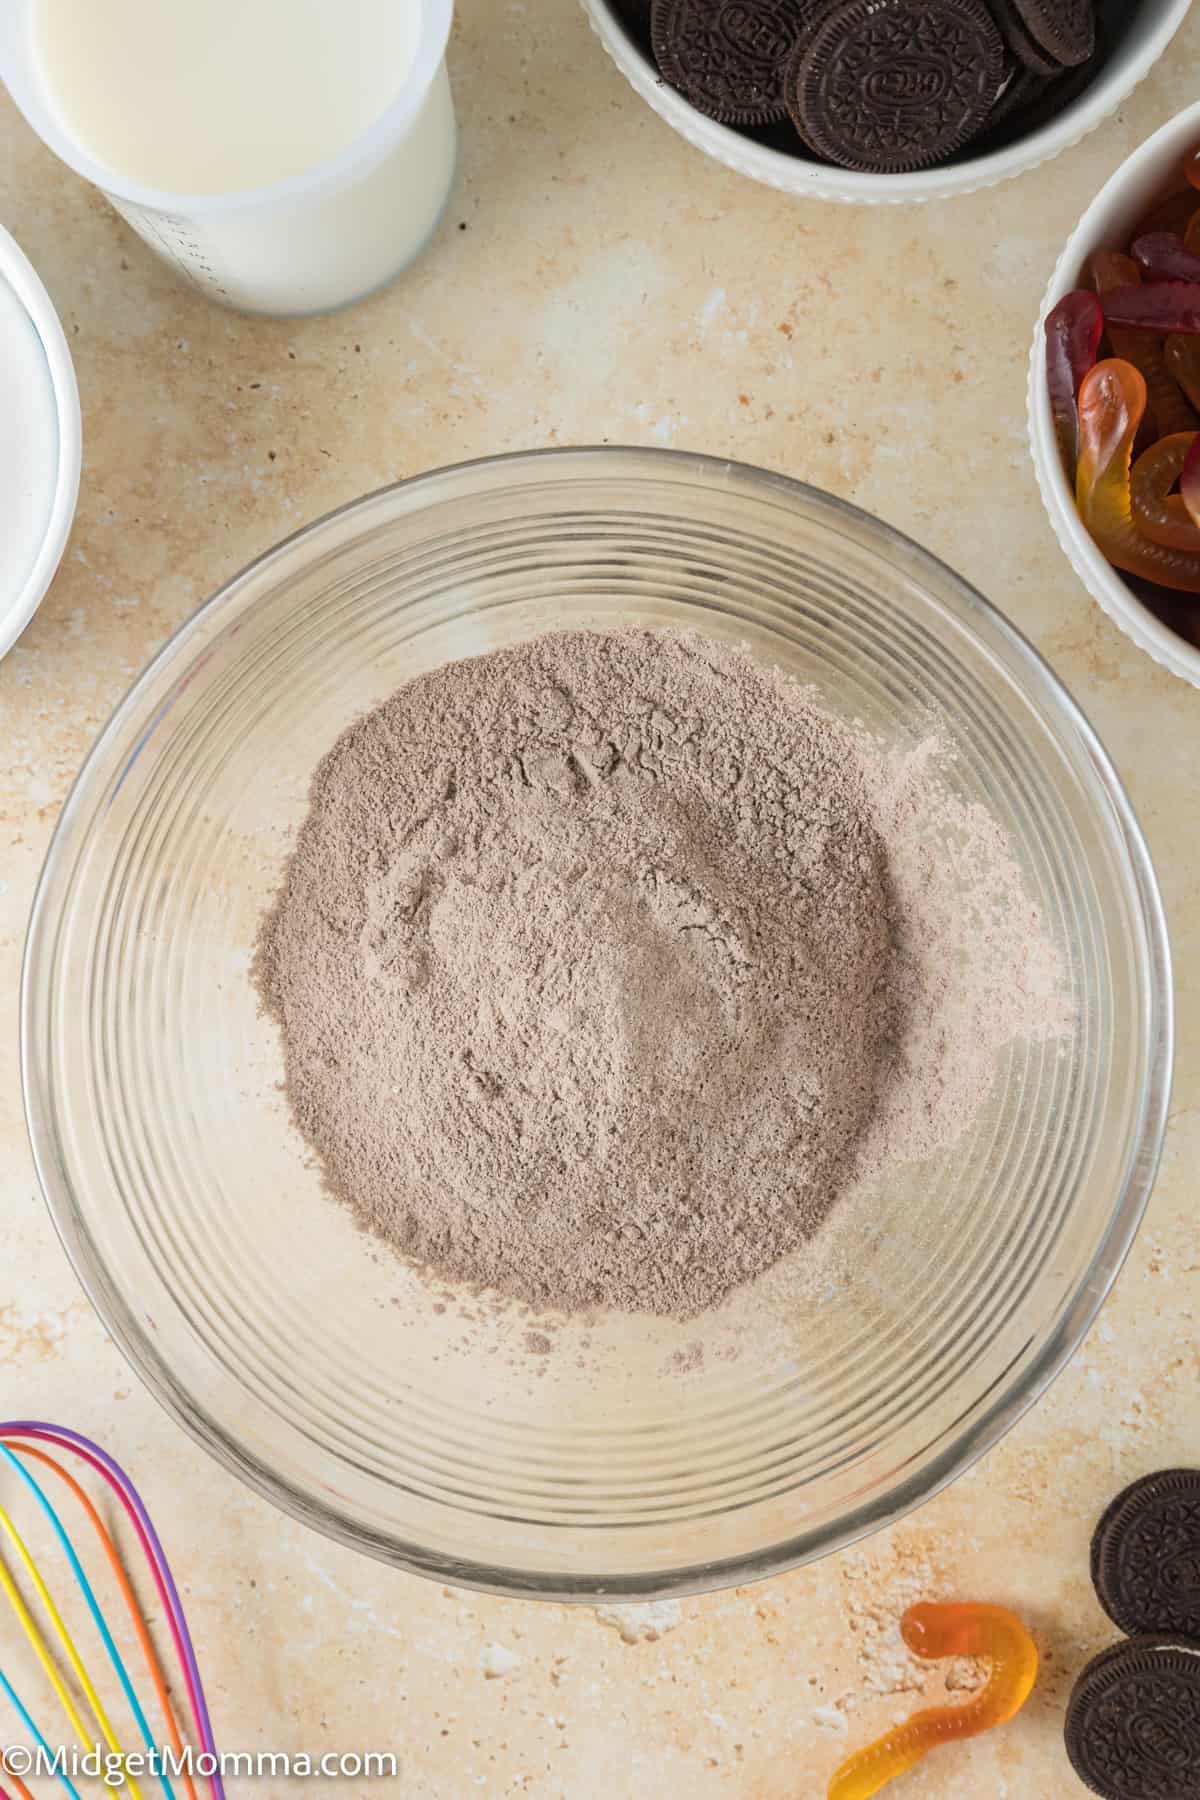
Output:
[[604, 964]]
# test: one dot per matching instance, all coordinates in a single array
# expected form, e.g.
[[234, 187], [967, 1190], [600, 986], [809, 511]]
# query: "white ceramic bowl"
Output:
[[1145, 37], [1124, 199], [39, 402]]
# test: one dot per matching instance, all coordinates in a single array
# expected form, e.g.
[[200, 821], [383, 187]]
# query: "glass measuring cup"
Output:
[[307, 244]]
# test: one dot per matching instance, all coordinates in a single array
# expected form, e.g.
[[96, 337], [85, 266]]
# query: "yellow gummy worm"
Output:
[[957, 1630]]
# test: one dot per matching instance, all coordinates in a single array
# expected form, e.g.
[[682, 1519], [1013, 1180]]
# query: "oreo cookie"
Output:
[[1021, 90], [1146, 1555], [1132, 1729], [1065, 29], [1020, 40], [890, 85], [728, 57], [1028, 102]]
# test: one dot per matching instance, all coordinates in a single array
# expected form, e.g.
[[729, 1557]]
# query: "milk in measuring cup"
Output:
[[196, 102], [210, 96]]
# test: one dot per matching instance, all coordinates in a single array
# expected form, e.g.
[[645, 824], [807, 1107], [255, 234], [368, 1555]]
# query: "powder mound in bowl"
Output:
[[583, 965]]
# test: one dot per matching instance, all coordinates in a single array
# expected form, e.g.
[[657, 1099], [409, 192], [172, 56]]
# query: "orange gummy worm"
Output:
[[1112, 402], [956, 1630], [1159, 513], [127, 1594]]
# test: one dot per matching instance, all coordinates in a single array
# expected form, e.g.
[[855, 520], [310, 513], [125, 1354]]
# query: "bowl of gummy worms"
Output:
[[1114, 397], [884, 101]]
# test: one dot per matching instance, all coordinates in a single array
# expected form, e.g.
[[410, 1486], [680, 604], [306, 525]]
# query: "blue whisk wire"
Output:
[[114, 1655], [26, 1720]]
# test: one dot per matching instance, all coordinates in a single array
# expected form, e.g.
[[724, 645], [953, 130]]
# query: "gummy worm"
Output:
[[1163, 306], [1073, 331], [1183, 360], [1111, 272], [1112, 401], [1159, 513], [1165, 256], [955, 1630], [1189, 481]]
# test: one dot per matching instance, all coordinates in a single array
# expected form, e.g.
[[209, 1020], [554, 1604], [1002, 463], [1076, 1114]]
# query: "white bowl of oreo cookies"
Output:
[[875, 101]]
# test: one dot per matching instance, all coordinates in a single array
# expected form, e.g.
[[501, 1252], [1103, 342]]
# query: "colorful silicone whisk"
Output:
[[929, 1630], [20, 1445]]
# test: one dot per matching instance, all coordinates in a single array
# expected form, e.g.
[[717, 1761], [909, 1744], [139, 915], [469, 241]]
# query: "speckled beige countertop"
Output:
[[597, 279]]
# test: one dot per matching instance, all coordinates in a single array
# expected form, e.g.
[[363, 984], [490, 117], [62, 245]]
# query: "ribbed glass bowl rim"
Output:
[[972, 610]]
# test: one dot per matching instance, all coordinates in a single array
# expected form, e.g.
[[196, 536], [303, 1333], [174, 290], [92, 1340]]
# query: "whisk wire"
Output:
[[40, 1649], [153, 1666], [62, 1437], [114, 1655], [22, 1713]]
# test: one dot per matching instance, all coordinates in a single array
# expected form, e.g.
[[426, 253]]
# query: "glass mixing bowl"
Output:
[[643, 1456]]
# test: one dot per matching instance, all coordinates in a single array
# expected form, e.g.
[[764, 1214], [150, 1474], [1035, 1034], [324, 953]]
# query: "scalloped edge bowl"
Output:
[[1132, 60], [18, 273], [1124, 197]]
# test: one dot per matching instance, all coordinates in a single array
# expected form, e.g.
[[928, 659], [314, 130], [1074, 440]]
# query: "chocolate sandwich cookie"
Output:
[[1055, 95], [1146, 1555], [728, 57], [1132, 1728], [1021, 41], [1065, 29], [1021, 89], [889, 85], [1029, 102]]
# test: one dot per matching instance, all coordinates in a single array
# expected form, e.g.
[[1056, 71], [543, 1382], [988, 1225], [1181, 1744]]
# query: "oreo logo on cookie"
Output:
[[906, 84], [1132, 1728], [728, 57], [1146, 1555], [891, 85], [762, 29]]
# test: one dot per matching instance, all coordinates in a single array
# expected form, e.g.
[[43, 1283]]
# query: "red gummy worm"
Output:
[[1073, 332], [1165, 256], [1109, 270], [1170, 214], [1162, 307]]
